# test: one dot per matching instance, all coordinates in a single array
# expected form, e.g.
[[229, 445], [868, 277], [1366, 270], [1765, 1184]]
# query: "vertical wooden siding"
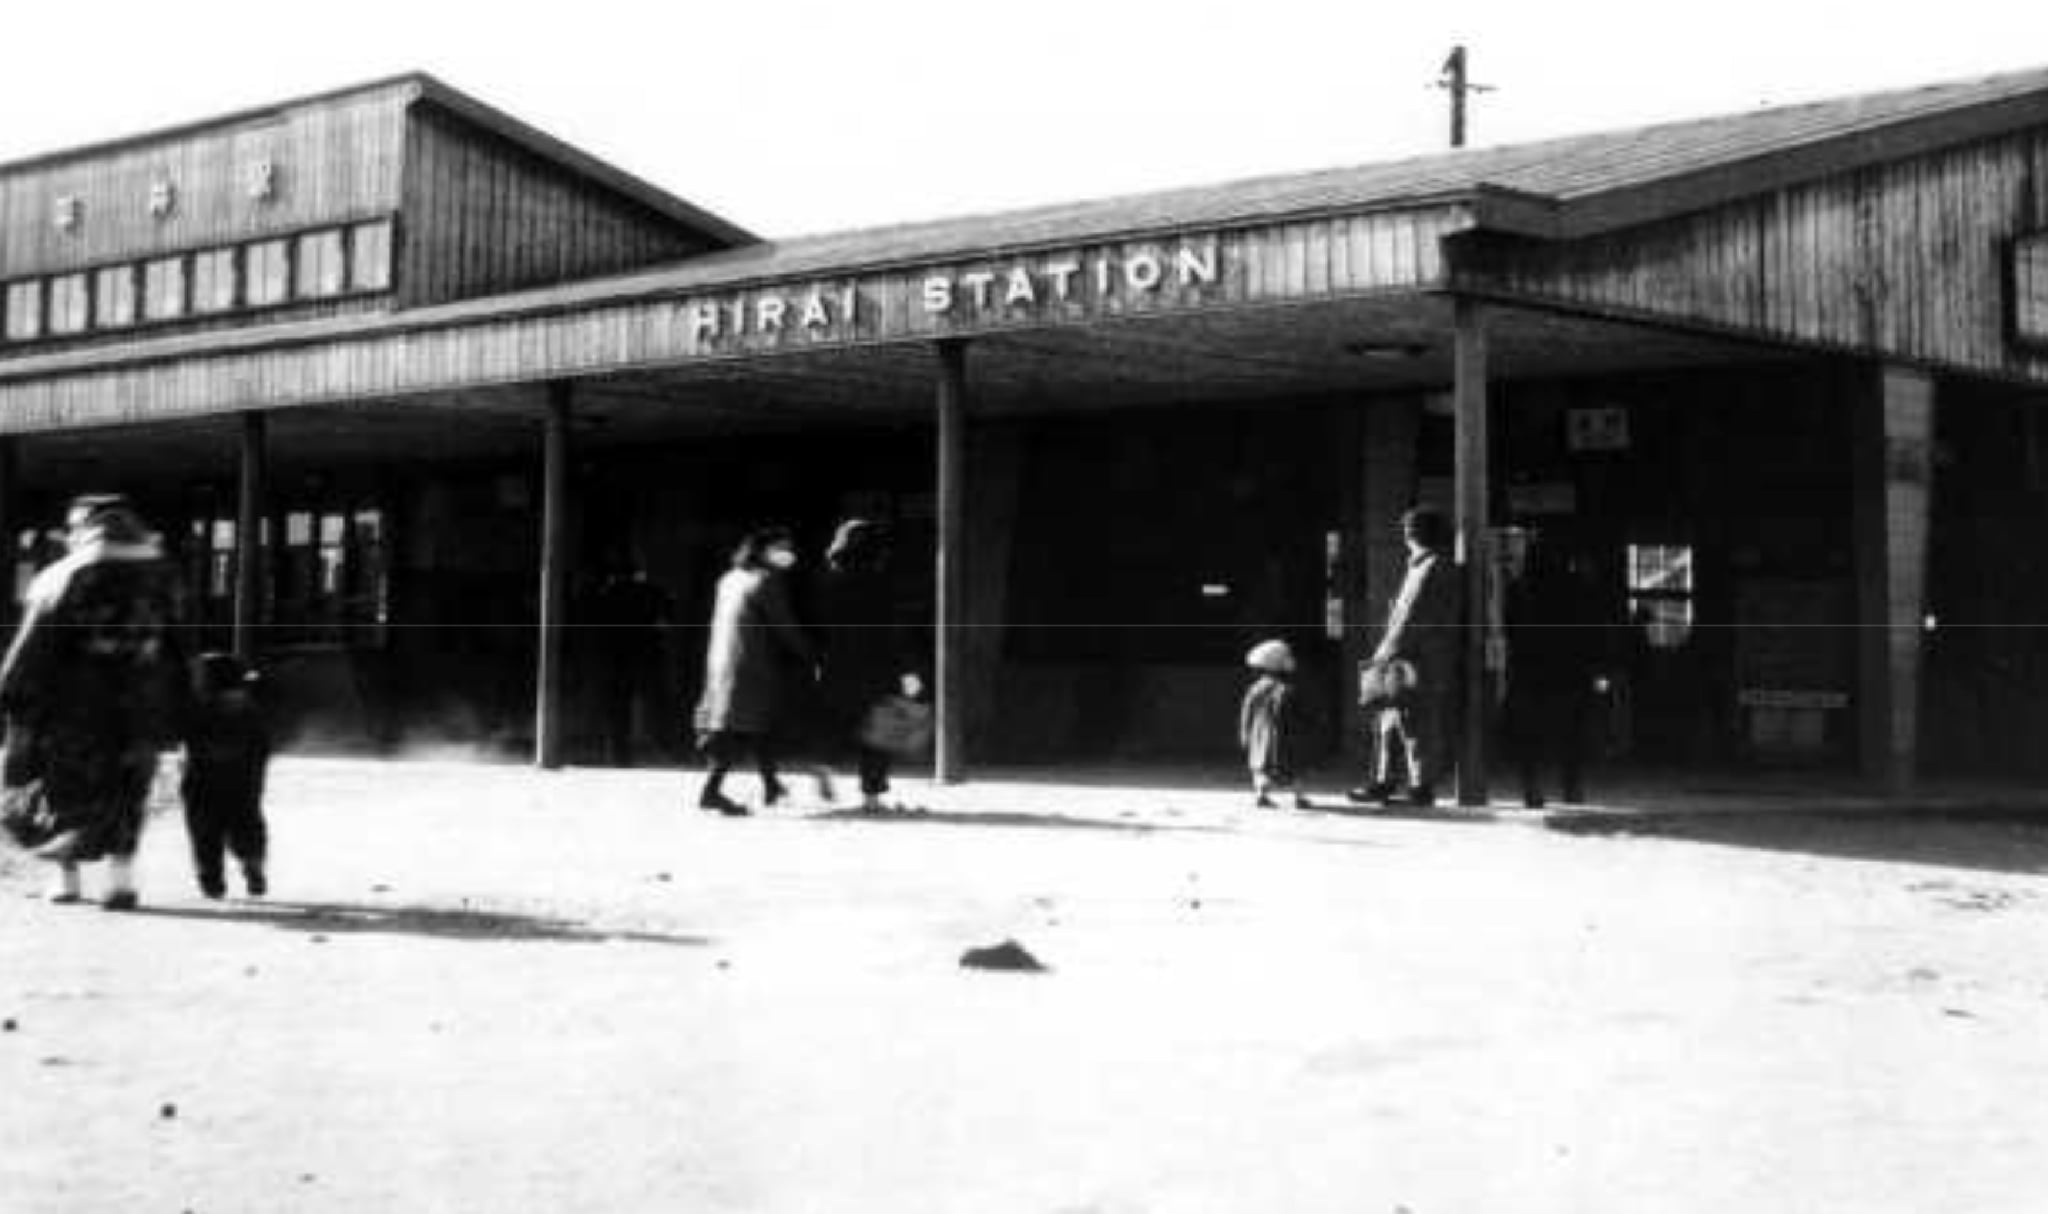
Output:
[[335, 159], [1907, 260], [483, 216], [475, 345]]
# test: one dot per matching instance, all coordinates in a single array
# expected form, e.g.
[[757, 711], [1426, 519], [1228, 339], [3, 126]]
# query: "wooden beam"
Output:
[[949, 765], [250, 562], [1474, 513], [554, 577]]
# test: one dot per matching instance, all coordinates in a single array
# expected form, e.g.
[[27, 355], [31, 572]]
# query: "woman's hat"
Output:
[[1273, 657]]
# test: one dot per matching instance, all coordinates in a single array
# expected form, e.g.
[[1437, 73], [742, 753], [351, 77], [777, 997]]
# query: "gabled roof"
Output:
[[1556, 188], [542, 144], [414, 87]]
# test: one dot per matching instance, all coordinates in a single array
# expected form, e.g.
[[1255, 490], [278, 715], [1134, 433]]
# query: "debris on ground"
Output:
[[1009, 955]]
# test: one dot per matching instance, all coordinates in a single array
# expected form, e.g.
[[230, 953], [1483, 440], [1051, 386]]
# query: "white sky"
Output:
[[793, 116]]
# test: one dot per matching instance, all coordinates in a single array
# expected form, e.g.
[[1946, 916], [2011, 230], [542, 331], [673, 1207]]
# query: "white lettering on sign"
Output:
[[815, 315], [1019, 291], [1064, 285], [1060, 274], [261, 180], [1143, 272], [977, 287], [1026, 285]]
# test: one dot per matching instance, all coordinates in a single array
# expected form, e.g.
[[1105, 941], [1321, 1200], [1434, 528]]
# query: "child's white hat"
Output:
[[1273, 657]]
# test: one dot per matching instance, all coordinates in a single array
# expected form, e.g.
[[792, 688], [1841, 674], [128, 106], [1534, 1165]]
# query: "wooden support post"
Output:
[[554, 578], [1894, 472], [250, 558], [1474, 513], [949, 764]]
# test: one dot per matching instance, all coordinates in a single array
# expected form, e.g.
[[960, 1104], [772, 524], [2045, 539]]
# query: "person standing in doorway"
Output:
[[869, 657], [1554, 640], [1422, 630], [93, 688], [629, 613], [756, 647]]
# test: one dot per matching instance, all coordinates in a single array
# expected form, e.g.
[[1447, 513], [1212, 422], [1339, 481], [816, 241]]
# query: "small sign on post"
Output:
[[1598, 429]]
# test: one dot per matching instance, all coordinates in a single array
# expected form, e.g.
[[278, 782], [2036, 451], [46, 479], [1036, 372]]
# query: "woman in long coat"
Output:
[[91, 689], [756, 649], [869, 654]]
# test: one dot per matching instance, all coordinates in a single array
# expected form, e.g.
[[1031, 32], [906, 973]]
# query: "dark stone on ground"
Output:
[[1009, 955]]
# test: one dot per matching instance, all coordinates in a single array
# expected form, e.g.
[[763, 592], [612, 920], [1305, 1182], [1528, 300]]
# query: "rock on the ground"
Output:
[[1009, 955]]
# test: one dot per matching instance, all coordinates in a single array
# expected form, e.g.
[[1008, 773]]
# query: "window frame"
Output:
[[38, 323]]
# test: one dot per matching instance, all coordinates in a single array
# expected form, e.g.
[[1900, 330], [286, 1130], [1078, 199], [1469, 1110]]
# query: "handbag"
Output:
[[26, 816], [1386, 684], [897, 725]]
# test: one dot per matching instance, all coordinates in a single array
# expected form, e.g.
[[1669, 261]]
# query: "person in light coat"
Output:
[[756, 652], [1423, 629]]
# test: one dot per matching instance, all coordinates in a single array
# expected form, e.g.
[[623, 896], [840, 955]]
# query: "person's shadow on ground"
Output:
[[441, 923], [926, 817]]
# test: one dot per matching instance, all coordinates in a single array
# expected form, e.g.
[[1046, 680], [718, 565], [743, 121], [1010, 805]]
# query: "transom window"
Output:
[[322, 264]]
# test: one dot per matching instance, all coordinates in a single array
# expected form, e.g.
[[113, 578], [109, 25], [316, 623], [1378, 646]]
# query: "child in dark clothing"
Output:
[[227, 750], [1269, 724]]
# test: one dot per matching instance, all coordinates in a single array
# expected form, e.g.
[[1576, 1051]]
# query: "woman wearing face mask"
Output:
[[755, 639]]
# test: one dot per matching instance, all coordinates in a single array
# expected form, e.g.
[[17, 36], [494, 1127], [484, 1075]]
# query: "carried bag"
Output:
[[167, 783], [26, 816], [1387, 684], [897, 725]]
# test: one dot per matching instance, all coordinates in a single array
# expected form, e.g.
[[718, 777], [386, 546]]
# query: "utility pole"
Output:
[[1458, 84]]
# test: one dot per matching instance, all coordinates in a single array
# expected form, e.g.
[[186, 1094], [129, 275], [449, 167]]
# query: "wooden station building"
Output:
[[398, 374]]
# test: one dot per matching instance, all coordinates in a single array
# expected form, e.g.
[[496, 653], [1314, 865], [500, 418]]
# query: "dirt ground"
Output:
[[485, 989]]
